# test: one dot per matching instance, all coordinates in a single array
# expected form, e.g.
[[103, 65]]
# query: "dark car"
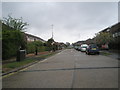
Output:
[[92, 49]]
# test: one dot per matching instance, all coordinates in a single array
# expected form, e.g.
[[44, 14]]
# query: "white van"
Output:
[[83, 47]]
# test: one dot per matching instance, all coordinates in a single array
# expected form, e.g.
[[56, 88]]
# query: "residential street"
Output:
[[68, 69]]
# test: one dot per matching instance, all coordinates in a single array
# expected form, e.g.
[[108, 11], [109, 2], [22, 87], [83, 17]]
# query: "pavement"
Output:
[[67, 69], [113, 53], [31, 55]]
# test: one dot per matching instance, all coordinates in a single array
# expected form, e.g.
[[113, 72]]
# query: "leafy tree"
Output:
[[103, 38], [50, 43], [17, 24], [12, 36], [37, 44]]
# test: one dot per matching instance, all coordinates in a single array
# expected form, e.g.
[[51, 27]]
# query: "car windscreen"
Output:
[[93, 46], [84, 46]]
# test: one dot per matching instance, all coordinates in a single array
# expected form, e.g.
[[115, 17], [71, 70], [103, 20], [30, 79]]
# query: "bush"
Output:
[[31, 47], [11, 41]]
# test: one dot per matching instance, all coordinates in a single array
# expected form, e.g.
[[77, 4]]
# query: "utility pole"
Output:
[[79, 35], [52, 30], [53, 39]]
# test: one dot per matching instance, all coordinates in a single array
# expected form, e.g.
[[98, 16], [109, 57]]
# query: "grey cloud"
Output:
[[68, 18]]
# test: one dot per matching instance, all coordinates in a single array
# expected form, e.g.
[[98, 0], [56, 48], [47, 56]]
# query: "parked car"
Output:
[[76, 47], [79, 48], [92, 49], [105, 47], [83, 47]]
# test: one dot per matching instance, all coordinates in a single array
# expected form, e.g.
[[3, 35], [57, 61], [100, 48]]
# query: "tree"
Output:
[[17, 24], [50, 43], [37, 44], [13, 36], [103, 38]]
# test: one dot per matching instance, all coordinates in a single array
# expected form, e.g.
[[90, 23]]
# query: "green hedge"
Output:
[[11, 41], [31, 47]]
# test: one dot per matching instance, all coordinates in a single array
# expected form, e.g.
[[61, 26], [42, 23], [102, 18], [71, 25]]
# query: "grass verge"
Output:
[[9, 66], [12, 65], [48, 55], [105, 53]]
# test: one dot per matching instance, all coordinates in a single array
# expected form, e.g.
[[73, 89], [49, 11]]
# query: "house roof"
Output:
[[35, 37], [113, 28]]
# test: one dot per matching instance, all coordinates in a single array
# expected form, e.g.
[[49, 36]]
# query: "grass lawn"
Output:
[[12, 65]]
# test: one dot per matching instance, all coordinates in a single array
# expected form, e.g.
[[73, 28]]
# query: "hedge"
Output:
[[31, 47], [11, 41]]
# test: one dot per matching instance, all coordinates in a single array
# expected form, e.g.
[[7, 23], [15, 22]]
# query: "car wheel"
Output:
[[88, 53], [98, 53]]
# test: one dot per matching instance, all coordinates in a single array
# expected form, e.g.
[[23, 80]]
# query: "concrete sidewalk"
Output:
[[27, 56], [112, 53], [36, 57]]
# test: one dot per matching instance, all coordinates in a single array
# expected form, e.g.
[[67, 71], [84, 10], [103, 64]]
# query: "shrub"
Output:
[[11, 41], [31, 46]]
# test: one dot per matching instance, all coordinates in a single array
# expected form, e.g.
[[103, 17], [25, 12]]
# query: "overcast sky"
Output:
[[72, 21]]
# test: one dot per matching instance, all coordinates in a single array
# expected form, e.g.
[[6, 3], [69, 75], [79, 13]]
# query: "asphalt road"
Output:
[[67, 69]]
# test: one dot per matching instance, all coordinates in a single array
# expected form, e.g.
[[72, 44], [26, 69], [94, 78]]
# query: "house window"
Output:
[[116, 34], [113, 35], [108, 30], [34, 39]]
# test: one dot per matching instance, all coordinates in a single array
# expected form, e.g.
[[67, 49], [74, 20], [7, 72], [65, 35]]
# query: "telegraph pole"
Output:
[[52, 30]]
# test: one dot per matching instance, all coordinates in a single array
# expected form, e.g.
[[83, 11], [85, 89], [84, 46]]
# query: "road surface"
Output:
[[67, 69]]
